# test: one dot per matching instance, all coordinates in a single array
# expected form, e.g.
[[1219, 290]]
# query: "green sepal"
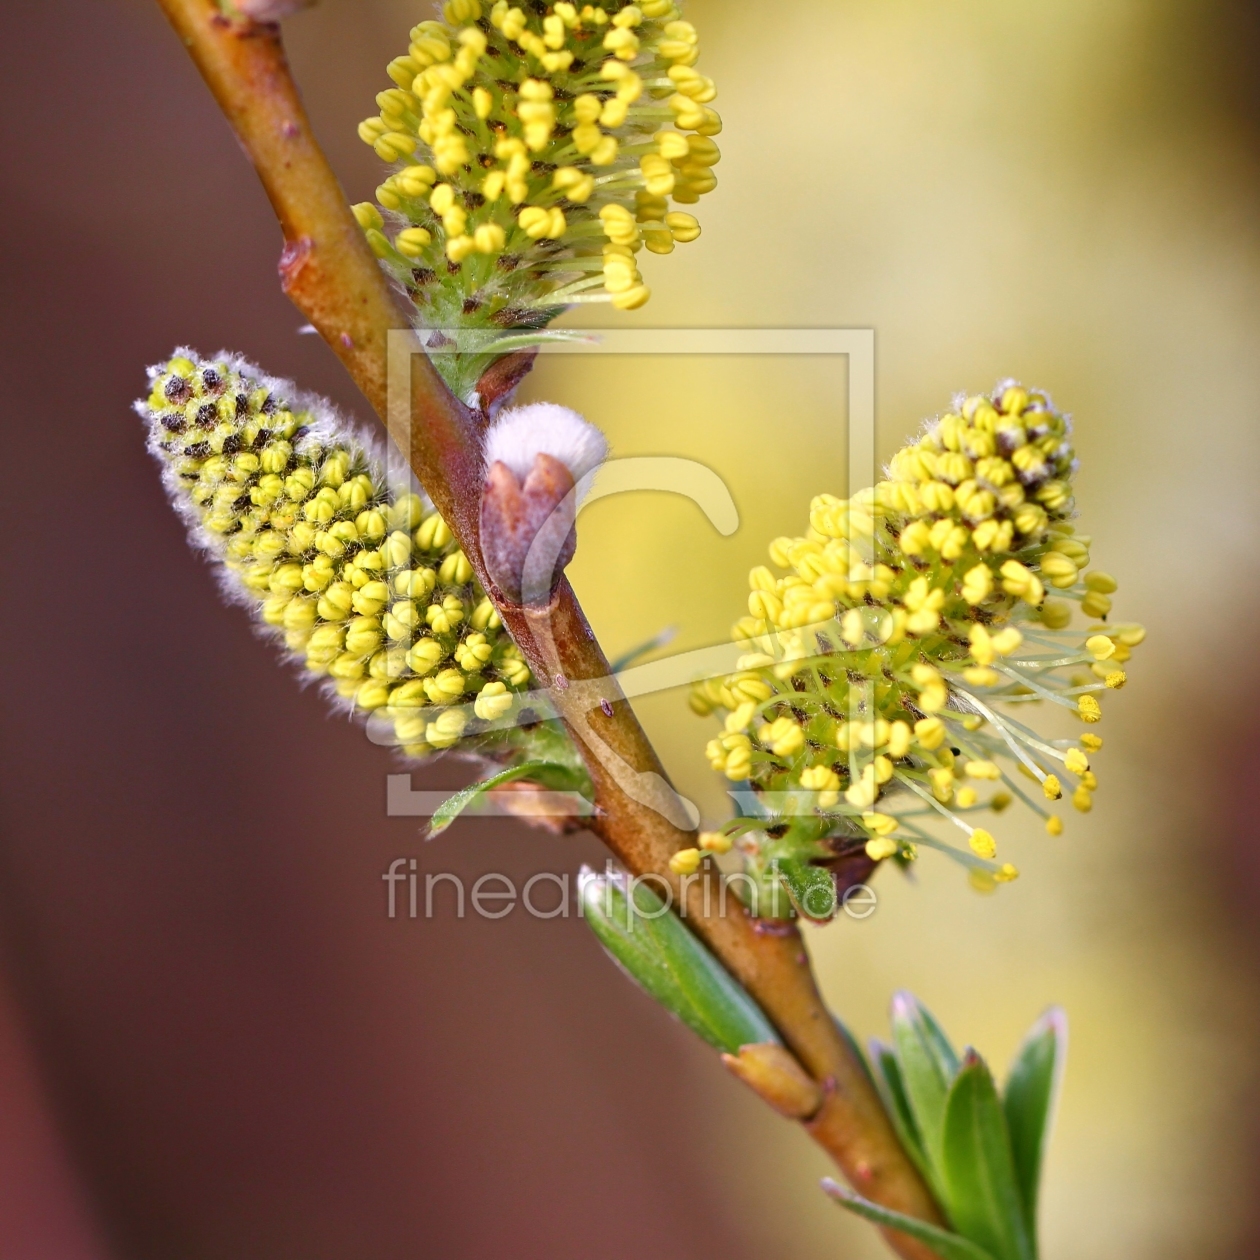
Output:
[[811, 888], [463, 360], [928, 1066], [764, 893], [657, 951], [892, 1089], [1032, 1089], [982, 1194], [549, 774], [946, 1245]]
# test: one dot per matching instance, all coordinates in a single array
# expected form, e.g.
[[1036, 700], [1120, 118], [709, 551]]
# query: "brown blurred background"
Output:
[[213, 1043]]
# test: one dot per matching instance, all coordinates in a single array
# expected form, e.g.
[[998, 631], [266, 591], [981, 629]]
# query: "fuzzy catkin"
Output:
[[361, 581], [536, 151], [891, 670]]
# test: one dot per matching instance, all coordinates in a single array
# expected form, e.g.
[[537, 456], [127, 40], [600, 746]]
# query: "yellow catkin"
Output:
[[362, 582], [883, 644], [536, 150]]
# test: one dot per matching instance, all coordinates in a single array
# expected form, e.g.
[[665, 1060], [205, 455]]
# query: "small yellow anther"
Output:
[[685, 862], [1100, 647], [982, 843], [715, 842]]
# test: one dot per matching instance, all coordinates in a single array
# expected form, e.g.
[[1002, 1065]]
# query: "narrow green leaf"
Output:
[[551, 774], [928, 1066], [811, 888], [660, 954], [983, 1196], [946, 1245], [658, 640], [892, 1089], [1031, 1092], [944, 1051]]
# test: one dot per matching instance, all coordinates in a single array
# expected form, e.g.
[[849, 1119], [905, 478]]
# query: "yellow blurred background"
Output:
[[1063, 192]]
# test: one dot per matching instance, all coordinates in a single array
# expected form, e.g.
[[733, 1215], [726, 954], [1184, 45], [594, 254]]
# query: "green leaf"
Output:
[[892, 1089], [1031, 1092], [811, 888], [945, 1053], [658, 640], [928, 1066], [658, 952], [983, 1195], [550, 774], [946, 1245]]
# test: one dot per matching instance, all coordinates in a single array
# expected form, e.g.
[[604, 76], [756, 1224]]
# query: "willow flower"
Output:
[[361, 581], [892, 660], [536, 150]]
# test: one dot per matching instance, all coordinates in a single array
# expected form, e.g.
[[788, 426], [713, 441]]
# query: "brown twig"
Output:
[[333, 278]]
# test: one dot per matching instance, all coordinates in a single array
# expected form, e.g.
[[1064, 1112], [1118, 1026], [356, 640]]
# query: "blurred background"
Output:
[[214, 1043]]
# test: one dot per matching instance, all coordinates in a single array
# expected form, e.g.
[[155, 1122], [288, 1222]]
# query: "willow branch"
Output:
[[332, 277]]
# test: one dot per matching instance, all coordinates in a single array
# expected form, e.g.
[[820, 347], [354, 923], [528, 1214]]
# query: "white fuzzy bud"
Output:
[[539, 462], [520, 434]]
